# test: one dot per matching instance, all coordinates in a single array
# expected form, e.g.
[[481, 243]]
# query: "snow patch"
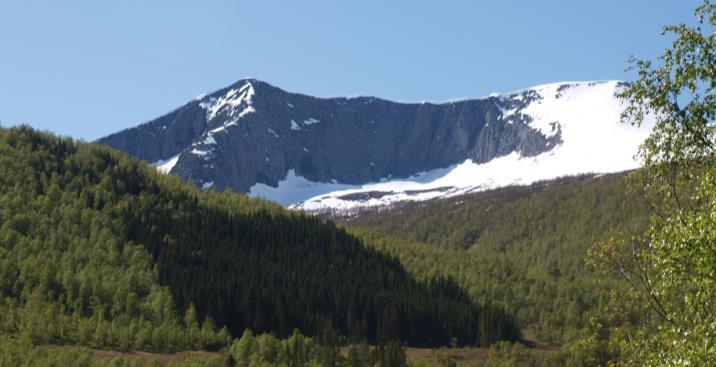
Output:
[[165, 166], [293, 189], [311, 121], [209, 139], [207, 185], [236, 102], [199, 152], [294, 126], [223, 127]]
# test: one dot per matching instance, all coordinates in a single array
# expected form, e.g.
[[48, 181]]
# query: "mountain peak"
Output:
[[230, 103]]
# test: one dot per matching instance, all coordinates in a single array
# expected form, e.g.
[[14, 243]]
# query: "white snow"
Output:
[[223, 127], [311, 121], [293, 189], [246, 111], [238, 102], [593, 141], [289, 105], [506, 114], [165, 166], [199, 152], [294, 125], [207, 185], [272, 132], [209, 139]]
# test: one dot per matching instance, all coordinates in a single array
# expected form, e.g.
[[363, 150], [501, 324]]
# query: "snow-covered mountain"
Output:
[[347, 153]]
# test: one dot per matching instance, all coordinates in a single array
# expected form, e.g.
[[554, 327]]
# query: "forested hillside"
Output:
[[98, 249], [523, 248]]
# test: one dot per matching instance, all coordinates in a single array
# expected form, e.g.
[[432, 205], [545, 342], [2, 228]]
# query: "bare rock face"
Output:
[[252, 132]]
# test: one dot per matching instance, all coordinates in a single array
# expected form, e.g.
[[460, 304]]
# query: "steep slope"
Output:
[[68, 274], [253, 137], [93, 241]]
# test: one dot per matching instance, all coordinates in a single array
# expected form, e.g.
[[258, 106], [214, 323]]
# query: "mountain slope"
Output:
[[92, 242], [523, 247], [253, 137]]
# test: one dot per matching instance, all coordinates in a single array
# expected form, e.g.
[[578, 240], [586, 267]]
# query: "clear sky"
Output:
[[90, 68]]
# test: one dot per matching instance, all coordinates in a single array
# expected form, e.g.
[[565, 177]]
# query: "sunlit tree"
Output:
[[672, 266]]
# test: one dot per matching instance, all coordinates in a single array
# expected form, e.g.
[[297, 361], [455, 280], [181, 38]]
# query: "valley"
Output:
[[326, 201], [461, 270]]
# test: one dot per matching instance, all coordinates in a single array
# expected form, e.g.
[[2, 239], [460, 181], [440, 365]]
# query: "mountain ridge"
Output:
[[254, 137]]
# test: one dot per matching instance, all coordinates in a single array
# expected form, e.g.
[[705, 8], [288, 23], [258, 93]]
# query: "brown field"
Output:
[[456, 354], [459, 355], [147, 357]]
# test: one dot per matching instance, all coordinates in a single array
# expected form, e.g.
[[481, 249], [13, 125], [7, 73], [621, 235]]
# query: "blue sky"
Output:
[[90, 68]]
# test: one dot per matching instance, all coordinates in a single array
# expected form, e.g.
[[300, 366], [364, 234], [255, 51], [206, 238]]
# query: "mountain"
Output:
[[341, 153]]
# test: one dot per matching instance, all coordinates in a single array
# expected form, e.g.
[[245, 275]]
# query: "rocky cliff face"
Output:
[[253, 133]]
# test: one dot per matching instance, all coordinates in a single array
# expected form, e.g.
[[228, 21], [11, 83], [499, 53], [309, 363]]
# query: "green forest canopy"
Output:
[[98, 249], [519, 247]]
